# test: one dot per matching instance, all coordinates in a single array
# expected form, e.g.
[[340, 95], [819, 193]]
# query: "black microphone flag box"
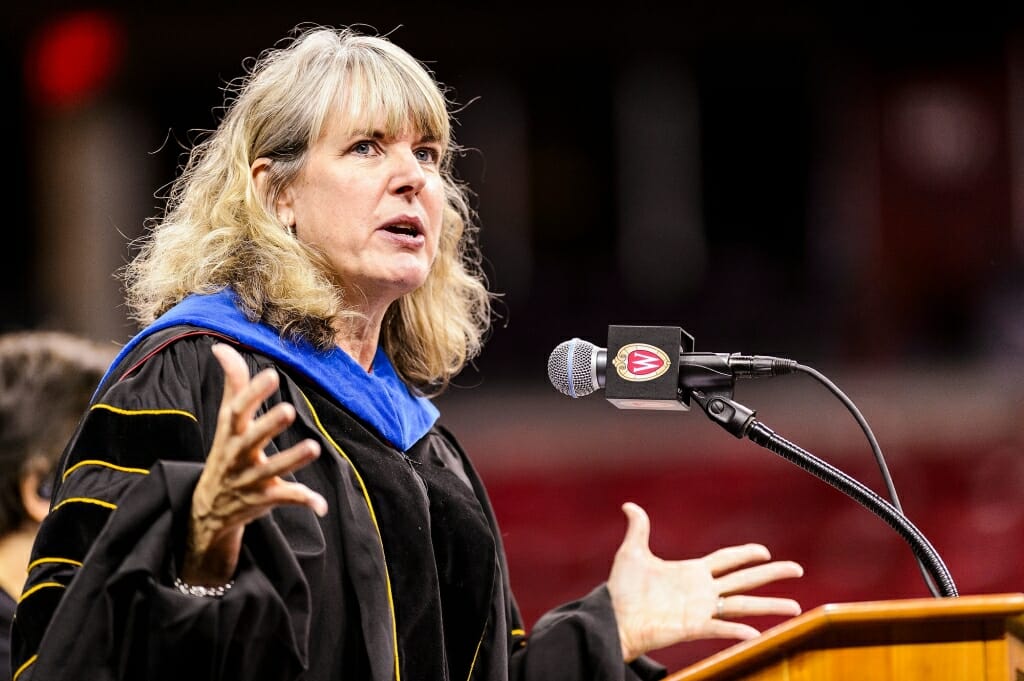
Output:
[[643, 367]]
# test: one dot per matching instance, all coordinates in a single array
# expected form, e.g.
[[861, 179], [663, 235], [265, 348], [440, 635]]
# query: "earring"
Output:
[[287, 221]]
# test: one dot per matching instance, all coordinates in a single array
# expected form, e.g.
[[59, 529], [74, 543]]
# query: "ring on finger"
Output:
[[720, 607]]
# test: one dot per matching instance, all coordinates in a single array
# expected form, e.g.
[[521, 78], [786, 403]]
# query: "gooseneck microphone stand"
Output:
[[740, 422], [578, 368]]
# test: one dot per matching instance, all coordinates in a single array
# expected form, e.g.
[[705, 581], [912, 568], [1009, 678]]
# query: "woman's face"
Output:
[[373, 205]]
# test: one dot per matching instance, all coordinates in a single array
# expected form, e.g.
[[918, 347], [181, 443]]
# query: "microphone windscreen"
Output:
[[572, 368]]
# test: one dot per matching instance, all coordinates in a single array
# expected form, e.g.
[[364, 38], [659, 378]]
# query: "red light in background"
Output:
[[71, 60]]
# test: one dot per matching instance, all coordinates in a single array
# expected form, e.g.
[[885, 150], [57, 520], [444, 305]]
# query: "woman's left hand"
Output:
[[658, 603], [240, 482]]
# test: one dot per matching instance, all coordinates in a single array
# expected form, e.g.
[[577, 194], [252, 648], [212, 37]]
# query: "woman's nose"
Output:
[[407, 174]]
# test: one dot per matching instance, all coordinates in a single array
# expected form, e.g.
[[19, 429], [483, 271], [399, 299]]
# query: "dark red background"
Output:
[[562, 525]]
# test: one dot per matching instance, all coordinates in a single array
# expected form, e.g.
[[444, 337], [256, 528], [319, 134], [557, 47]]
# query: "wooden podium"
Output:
[[967, 638]]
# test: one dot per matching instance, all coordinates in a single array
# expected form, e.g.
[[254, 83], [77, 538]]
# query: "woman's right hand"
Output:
[[239, 482], [659, 603]]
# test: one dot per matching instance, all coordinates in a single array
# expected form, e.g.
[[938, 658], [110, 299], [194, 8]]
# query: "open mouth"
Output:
[[404, 230]]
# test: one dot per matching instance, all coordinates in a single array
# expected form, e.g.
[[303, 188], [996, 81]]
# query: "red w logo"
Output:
[[643, 362]]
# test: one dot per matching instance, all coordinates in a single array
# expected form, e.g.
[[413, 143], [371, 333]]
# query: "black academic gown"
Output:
[[405, 578]]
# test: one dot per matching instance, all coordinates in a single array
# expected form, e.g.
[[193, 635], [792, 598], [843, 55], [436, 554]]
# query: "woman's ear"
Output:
[[35, 496], [260, 170]]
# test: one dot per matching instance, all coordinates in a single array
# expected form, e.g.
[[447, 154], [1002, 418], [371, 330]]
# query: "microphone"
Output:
[[643, 374], [576, 367]]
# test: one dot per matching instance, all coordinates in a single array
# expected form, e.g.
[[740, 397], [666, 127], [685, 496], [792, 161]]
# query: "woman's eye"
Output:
[[362, 148], [428, 155]]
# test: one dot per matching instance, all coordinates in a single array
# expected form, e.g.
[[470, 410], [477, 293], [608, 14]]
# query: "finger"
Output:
[[282, 463], [750, 606], [236, 373], [244, 405], [638, 529], [260, 431], [242, 394], [311, 499], [733, 557], [282, 494], [749, 578], [717, 628]]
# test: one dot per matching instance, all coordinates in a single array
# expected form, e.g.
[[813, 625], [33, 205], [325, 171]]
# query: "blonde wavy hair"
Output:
[[216, 230]]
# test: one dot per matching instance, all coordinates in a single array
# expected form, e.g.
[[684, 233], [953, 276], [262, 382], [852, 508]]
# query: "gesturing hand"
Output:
[[658, 603], [239, 482]]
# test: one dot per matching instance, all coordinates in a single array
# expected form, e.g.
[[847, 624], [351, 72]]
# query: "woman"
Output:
[[261, 489]]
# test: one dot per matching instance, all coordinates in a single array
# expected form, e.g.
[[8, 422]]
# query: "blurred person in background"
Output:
[[262, 488], [46, 380]]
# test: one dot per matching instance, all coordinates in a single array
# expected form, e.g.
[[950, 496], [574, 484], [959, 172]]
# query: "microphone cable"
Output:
[[875, 449]]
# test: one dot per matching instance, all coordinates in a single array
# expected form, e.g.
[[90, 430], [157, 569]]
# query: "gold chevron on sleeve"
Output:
[[85, 500], [52, 559], [39, 587], [106, 464], [143, 412]]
